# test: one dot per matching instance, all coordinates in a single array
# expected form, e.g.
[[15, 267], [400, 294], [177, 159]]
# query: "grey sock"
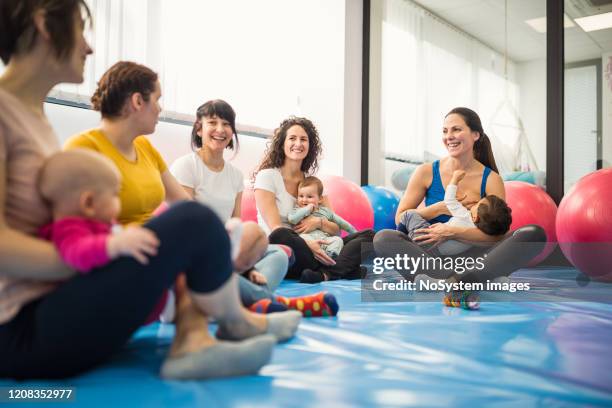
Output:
[[282, 325], [224, 359]]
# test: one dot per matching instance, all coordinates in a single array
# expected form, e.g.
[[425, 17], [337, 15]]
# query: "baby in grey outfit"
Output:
[[310, 192]]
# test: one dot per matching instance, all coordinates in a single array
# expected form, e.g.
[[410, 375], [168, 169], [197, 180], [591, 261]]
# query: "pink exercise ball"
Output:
[[349, 201], [531, 205], [248, 209], [584, 225]]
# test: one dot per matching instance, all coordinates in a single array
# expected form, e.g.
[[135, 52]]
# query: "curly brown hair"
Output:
[[118, 83], [274, 156]]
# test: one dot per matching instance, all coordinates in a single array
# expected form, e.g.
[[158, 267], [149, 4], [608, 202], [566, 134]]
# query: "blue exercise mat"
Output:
[[536, 353]]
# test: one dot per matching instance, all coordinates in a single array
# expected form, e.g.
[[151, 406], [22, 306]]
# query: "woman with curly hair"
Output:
[[211, 180], [292, 155]]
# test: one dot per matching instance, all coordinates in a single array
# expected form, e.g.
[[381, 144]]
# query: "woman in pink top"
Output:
[[55, 323]]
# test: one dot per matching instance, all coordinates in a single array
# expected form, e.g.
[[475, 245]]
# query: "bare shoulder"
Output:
[[494, 179], [495, 185], [423, 174]]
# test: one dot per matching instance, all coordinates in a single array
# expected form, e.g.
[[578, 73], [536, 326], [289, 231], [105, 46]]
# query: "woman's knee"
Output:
[[281, 236], [189, 221], [253, 246], [529, 233], [387, 236], [277, 255], [368, 235], [191, 214], [254, 237], [274, 266]]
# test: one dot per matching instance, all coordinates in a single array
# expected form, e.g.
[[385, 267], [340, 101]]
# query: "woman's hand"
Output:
[[436, 233], [257, 277], [467, 201], [308, 224], [319, 253]]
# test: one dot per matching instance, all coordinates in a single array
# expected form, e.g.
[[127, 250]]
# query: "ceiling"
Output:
[[484, 20]]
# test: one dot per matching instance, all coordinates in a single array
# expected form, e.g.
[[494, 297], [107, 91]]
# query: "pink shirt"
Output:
[[81, 242], [26, 140]]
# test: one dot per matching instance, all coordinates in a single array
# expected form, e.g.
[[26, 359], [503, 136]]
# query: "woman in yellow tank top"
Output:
[[80, 322]]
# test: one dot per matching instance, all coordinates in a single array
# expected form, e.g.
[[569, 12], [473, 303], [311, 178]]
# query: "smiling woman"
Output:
[[469, 151], [49, 315], [293, 154], [204, 173]]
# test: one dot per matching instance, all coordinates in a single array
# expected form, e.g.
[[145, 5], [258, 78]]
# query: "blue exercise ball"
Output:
[[384, 203]]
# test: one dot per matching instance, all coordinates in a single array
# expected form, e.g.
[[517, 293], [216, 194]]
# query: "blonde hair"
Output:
[[67, 174], [312, 181]]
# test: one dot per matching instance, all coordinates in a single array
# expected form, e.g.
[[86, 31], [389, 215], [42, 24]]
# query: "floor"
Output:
[[543, 352]]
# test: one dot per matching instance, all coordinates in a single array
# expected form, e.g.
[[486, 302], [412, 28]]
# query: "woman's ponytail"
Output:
[[483, 152]]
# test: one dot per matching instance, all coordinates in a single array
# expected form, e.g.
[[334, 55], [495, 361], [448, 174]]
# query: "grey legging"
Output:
[[512, 253]]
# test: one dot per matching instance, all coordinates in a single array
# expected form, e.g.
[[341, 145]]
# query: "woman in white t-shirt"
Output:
[[294, 153], [211, 180]]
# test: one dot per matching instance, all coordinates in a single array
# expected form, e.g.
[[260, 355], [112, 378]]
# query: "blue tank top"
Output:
[[435, 192]]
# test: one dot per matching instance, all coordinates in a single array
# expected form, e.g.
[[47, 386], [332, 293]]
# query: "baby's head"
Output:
[[492, 215], [310, 191], [81, 183]]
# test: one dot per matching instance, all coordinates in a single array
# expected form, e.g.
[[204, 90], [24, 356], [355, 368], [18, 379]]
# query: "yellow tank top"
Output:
[[142, 189]]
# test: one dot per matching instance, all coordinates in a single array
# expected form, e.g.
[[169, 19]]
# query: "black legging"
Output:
[[512, 253], [347, 263], [90, 317]]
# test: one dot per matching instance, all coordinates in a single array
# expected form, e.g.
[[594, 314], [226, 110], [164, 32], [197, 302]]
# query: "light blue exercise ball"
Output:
[[384, 203]]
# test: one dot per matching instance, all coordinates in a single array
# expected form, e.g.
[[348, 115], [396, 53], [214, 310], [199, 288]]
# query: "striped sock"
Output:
[[463, 299], [319, 304], [265, 306]]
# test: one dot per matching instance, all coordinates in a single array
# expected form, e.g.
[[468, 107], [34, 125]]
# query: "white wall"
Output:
[[377, 172], [172, 140], [351, 144], [531, 78], [327, 58], [606, 95]]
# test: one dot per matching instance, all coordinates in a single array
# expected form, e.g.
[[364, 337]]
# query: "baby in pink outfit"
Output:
[[82, 189]]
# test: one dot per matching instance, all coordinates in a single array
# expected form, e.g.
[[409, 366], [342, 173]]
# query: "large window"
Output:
[[267, 58], [427, 68]]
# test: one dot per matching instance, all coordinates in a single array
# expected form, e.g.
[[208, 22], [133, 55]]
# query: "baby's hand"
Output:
[[458, 175], [137, 242], [257, 277]]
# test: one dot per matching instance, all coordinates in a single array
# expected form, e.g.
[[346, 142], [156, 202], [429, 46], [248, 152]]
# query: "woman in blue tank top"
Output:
[[435, 192], [469, 149]]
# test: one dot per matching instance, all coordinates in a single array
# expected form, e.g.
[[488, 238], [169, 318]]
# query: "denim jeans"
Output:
[[273, 265]]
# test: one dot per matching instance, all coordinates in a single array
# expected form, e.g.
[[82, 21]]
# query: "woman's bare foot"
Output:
[[190, 341], [191, 325]]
